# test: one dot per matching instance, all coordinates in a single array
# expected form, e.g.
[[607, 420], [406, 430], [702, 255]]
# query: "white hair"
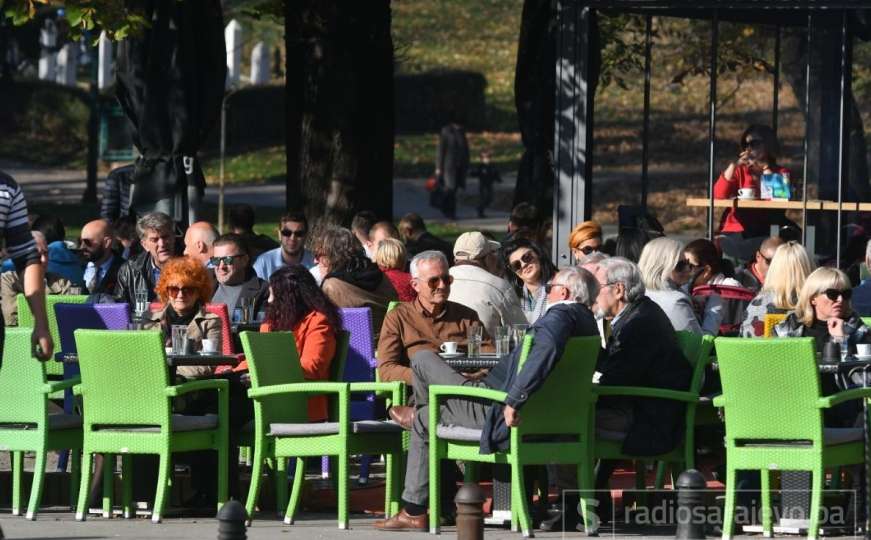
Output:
[[430, 255], [580, 282], [658, 260], [593, 258], [621, 270]]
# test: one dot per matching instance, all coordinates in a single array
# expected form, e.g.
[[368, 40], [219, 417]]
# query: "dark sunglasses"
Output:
[[767, 259], [754, 143], [287, 233], [527, 258], [833, 294], [227, 260], [683, 265], [433, 282], [549, 286], [586, 250], [173, 290]]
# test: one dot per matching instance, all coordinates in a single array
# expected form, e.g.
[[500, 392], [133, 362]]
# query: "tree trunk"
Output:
[[339, 109]]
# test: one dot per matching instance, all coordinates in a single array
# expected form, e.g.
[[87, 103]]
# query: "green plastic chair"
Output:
[[697, 350], [392, 304], [867, 321], [25, 319], [282, 429], [25, 422], [773, 426], [127, 401], [567, 388]]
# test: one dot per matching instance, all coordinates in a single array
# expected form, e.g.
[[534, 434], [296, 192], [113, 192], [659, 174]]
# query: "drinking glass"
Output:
[[179, 338], [247, 306], [141, 304], [519, 330], [503, 340], [474, 336]]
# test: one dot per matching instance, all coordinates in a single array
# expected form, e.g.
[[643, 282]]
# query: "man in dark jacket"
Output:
[[101, 272], [142, 272], [235, 278], [571, 293], [417, 239]]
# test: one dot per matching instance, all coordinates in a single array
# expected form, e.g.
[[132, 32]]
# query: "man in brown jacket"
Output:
[[426, 323]]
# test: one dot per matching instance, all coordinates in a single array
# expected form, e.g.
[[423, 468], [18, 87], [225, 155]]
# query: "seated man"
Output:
[[101, 272], [11, 284], [141, 273], [426, 323], [234, 275], [752, 275], [568, 315], [199, 240]]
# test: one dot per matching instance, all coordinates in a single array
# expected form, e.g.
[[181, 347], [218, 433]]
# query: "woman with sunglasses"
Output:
[[757, 155], [789, 268], [184, 289], [665, 271], [528, 271], [585, 238]]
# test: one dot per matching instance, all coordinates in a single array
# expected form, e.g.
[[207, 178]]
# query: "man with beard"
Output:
[[235, 277], [101, 272], [292, 231]]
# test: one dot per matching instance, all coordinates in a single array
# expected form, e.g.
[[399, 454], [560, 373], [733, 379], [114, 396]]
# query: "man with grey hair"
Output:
[[421, 326], [157, 236], [568, 315], [862, 293]]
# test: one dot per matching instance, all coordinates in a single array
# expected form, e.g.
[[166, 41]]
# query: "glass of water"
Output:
[[519, 331], [141, 303], [179, 338], [474, 334], [503, 340]]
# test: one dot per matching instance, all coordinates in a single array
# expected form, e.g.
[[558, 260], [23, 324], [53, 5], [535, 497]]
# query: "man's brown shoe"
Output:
[[403, 522], [402, 415]]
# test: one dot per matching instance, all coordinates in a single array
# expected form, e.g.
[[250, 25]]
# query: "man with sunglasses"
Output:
[[234, 276], [101, 272], [292, 233], [752, 275]]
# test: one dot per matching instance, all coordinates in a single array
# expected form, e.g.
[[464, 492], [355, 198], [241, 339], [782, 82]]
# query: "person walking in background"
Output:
[[116, 193], [452, 164], [487, 175]]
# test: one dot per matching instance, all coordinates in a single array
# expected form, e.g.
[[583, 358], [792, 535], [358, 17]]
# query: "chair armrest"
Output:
[[222, 385], [340, 388], [50, 388], [641, 391], [840, 397], [394, 391], [438, 390], [719, 401]]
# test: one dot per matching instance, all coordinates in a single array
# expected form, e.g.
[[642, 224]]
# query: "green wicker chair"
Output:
[[25, 423], [774, 426], [567, 388], [282, 429], [127, 401], [697, 350], [25, 318]]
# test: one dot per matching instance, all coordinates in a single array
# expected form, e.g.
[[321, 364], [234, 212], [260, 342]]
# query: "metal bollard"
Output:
[[231, 521], [470, 512], [690, 487]]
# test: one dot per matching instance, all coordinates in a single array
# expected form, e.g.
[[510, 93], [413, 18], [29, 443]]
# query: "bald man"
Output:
[[752, 275], [101, 272], [198, 241]]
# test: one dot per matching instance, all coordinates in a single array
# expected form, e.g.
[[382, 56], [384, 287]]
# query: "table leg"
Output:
[[865, 432]]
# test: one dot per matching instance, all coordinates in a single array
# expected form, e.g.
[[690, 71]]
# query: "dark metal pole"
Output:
[[712, 120], [645, 130], [806, 144], [842, 114], [776, 97], [90, 195]]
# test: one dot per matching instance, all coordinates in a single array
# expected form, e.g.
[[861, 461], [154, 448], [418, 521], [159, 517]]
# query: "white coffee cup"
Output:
[[863, 349], [210, 346], [746, 193], [449, 347]]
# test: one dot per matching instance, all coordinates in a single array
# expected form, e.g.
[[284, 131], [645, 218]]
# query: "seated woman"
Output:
[[664, 271], [184, 288], [706, 266], [585, 238], [297, 304], [745, 228], [391, 258], [528, 271], [790, 266]]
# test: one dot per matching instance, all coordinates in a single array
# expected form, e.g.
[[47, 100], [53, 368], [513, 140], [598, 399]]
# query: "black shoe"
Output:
[[560, 523]]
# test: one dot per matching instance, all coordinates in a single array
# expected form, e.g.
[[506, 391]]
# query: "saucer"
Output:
[[748, 198], [204, 353], [451, 355], [862, 357]]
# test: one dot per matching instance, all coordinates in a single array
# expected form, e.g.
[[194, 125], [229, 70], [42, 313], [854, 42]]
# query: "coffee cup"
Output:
[[746, 193], [210, 346], [449, 347], [831, 352], [863, 349]]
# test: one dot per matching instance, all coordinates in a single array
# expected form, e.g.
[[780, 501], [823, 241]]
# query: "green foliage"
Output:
[[113, 16]]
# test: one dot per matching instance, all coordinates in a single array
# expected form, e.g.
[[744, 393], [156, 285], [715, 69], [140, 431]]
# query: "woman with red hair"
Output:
[[184, 289]]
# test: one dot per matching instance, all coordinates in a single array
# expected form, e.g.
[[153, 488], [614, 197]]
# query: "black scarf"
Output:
[[171, 318], [360, 272]]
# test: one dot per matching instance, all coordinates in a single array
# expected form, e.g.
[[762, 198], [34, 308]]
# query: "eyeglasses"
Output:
[[527, 258], [227, 260], [433, 282], [173, 291], [287, 233], [586, 250], [767, 259], [754, 143], [834, 294], [549, 287], [682, 266]]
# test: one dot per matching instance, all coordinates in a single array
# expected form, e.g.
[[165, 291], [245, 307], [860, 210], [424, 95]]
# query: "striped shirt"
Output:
[[116, 193], [20, 246]]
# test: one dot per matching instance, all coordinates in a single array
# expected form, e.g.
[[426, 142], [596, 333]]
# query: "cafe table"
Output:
[[174, 361]]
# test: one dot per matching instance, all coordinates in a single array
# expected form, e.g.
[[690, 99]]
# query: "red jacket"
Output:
[[401, 281], [755, 220]]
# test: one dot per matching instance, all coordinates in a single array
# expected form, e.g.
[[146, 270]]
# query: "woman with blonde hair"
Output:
[[391, 257], [585, 238], [790, 266], [665, 271]]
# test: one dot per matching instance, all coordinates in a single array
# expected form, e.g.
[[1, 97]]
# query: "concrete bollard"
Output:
[[690, 487], [231, 521], [470, 512]]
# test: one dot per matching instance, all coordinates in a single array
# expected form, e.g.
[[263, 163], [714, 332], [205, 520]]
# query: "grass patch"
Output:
[[257, 166]]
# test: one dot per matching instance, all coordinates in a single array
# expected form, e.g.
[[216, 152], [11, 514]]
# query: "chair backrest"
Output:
[[697, 350], [25, 318], [124, 375], [226, 331], [568, 389], [392, 304], [866, 320], [71, 317], [771, 388], [21, 380], [772, 320], [735, 302], [340, 359], [360, 363], [273, 359]]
